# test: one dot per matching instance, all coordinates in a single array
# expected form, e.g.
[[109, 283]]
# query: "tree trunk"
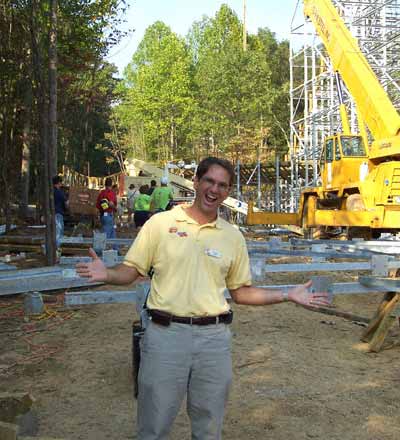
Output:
[[53, 89], [171, 141], [3, 172], [85, 137], [43, 113], [26, 156]]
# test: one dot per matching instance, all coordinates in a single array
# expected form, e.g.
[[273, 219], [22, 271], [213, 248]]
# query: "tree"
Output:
[[34, 137], [205, 96], [159, 93], [236, 89]]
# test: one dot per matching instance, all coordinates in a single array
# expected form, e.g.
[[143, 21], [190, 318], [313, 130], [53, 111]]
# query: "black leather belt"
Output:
[[164, 318]]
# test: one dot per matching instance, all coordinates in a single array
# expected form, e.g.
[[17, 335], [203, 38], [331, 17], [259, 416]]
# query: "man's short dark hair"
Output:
[[144, 189], [208, 162], [108, 182], [57, 180], [153, 183]]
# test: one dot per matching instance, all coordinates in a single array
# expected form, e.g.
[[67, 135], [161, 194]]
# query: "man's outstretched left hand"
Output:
[[301, 295]]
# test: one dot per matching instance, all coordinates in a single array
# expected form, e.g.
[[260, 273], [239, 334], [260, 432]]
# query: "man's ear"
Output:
[[225, 198], [195, 183]]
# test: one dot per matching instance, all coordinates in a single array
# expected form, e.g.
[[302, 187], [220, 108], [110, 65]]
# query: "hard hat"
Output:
[[164, 180]]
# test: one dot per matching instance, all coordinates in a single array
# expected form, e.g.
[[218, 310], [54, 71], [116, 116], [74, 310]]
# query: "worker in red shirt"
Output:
[[107, 206]]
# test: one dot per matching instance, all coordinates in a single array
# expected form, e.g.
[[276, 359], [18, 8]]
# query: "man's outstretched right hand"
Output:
[[95, 270]]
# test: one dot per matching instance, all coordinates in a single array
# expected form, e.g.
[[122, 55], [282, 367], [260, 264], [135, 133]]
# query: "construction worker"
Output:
[[153, 186], [60, 207], [186, 348], [132, 194], [142, 207], [161, 196], [107, 206]]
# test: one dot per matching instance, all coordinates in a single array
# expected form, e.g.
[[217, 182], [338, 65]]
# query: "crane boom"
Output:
[[372, 101]]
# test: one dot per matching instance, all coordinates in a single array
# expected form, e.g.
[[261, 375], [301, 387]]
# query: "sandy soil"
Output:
[[298, 374]]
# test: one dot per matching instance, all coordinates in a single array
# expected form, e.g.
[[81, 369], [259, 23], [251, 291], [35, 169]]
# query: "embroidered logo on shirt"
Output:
[[173, 230], [213, 253]]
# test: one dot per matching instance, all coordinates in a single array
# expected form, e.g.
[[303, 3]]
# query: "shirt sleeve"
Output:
[[239, 273], [141, 254]]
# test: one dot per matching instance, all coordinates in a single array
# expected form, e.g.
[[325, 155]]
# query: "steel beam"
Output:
[[100, 297], [306, 253], [4, 266], [338, 288], [41, 279], [80, 298], [385, 284], [317, 267], [90, 240], [72, 261]]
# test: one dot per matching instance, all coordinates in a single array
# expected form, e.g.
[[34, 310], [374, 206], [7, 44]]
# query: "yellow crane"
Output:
[[359, 183]]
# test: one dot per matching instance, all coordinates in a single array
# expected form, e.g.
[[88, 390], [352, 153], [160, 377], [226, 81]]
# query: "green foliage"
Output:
[[158, 94], [206, 95], [86, 31]]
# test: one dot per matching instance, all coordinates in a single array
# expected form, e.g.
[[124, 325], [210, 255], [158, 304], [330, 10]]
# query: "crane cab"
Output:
[[343, 162]]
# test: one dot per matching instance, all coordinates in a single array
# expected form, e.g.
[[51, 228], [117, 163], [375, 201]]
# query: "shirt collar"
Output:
[[181, 216]]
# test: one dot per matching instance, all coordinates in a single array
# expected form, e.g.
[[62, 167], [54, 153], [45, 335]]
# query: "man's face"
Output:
[[212, 189]]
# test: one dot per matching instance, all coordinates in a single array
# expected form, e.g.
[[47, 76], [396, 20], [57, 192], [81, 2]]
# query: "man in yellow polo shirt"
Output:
[[186, 348]]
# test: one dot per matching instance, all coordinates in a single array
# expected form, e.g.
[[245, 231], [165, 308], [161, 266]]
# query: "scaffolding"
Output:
[[314, 102]]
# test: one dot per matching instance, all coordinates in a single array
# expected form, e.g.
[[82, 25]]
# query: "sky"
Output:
[[180, 15]]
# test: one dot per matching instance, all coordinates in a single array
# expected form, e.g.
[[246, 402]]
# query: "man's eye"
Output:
[[211, 182]]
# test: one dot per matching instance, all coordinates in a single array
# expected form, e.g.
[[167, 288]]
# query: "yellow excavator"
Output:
[[359, 186]]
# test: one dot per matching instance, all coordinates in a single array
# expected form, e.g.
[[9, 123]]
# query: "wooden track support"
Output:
[[379, 326]]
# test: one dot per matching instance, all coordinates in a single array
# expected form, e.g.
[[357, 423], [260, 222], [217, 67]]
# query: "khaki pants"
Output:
[[181, 360]]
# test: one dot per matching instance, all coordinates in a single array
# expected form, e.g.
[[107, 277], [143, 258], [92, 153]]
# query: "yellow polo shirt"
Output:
[[192, 263]]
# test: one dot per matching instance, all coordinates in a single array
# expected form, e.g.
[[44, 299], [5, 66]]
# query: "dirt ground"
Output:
[[297, 374]]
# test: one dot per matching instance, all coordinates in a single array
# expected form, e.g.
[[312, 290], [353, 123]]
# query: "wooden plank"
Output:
[[386, 323], [82, 201], [22, 239], [340, 313], [22, 247], [377, 318]]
